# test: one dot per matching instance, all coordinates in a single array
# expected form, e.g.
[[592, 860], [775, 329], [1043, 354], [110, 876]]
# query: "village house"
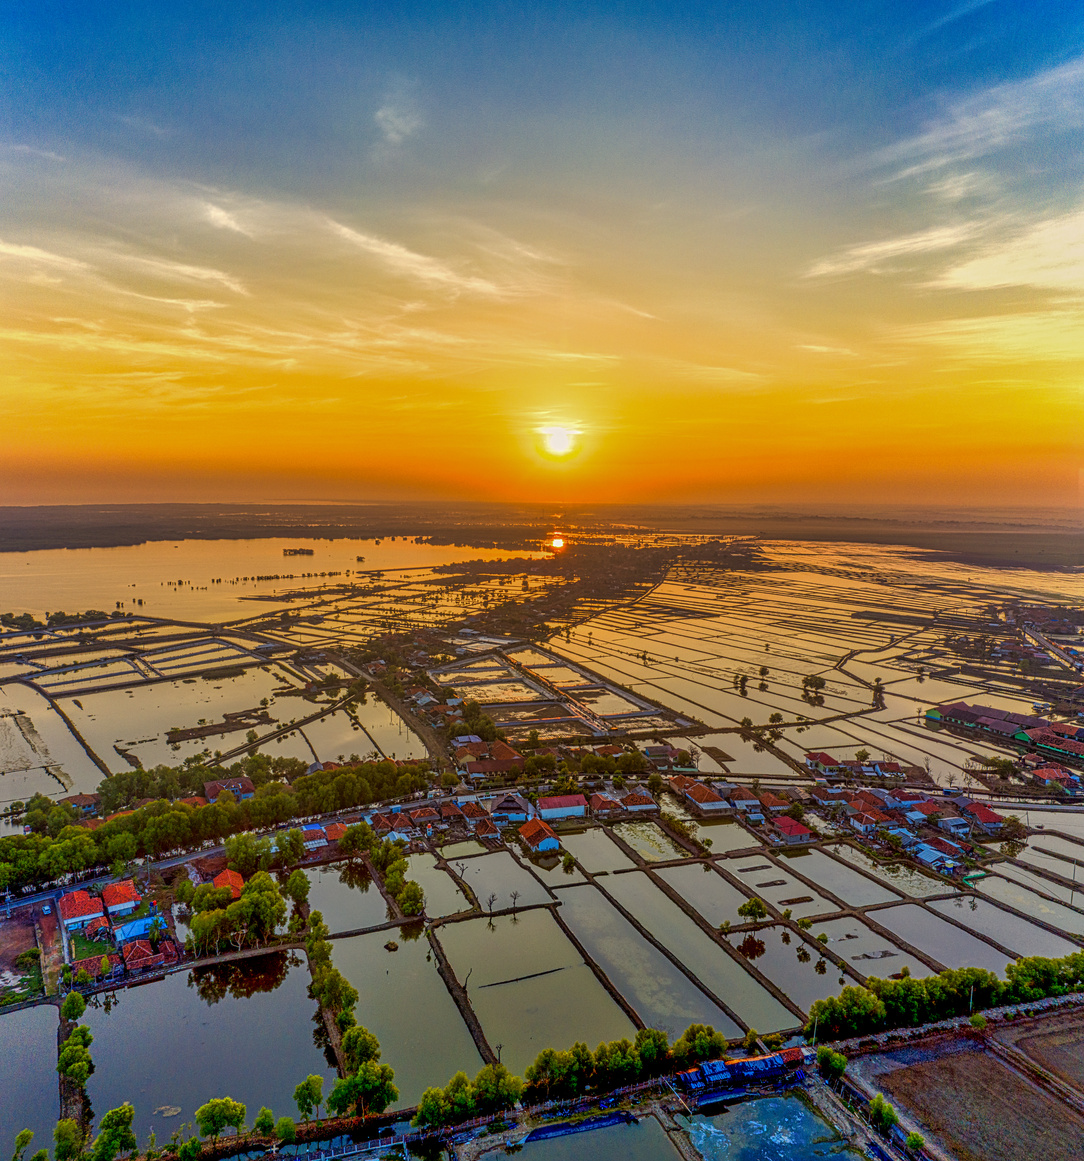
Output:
[[77, 909], [507, 808], [335, 831], [640, 802], [474, 815], [791, 831], [772, 803], [120, 898], [230, 879], [86, 804], [539, 836], [240, 788], [602, 806], [486, 829], [313, 836], [562, 806]]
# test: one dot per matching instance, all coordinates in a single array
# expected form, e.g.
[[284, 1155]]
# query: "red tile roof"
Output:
[[535, 832], [486, 829], [599, 802], [334, 831], [562, 802], [791, 827], [230, 879], [77, 904], [117, 894], [700, 793], [638, 799]]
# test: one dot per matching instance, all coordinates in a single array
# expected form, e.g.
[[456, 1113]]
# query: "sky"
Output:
[[717, 253]]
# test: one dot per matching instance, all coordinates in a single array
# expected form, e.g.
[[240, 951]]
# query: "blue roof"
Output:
[[134, 929]]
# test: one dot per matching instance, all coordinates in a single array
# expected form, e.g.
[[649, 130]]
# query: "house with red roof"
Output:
[[638, 801], [985, 819], [140, 956], [77, 909], [121, 898], [474, 815], [92, 965], [773, 804], [539, 835], [230, 879], [791, 831], [601, 805], [562, 806], [486, 829], [239, 787]]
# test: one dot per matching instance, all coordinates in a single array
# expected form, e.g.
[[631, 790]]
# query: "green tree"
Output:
[[22, 1143], [432, 1110], [914, 1142], [831, 1063], [357, 838], [68, 1140], [189, 1150], [73, 1007], [114, 1134], [753, 909], [217, 1113], [978, 1022], [370, 1090], [750, 1041], [698, 1042], [297, 886], [495, 1088], [74, 1060], [285, 1130], [359, 1047], [309, 1095], [882, 1115], [264, 1123], [412, 898], [289, 847], [653, 1048]]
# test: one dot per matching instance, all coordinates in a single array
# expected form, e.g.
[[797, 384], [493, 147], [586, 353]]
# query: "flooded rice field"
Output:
[[442, 896], [1031, 903], [243, 1030], [1009, 930], [661, 995], [867, 950], [404, 1001], [38, 753], [763, 878], [346, 896], [646, 1140], [721, 974], [551, 869], [650, 841], [529, 986], [794, 965], [29, 1090], [943, 942], [841, 880]]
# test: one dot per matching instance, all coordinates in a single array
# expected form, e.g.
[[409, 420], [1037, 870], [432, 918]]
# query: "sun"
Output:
[[558, 441], [557, 543]]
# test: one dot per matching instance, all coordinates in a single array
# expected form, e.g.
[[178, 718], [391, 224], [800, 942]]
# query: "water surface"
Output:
[[29, 1090], [1009, 930], [346, 896], [769, 1129], [645, 1141], [940, 940]]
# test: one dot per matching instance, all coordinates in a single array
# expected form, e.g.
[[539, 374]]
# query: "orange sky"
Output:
[[742, 309]]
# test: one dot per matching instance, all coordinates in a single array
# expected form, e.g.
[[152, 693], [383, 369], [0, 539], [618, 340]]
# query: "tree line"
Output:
[[907, 1002]]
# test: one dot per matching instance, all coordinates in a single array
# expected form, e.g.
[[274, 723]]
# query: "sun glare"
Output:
[[558, 542], [559, 441]]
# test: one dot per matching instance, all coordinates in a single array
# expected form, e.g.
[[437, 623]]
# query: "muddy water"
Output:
[[896, 875], [775, 951], [529, 986], [1074, 896], [244, 1031], [404, 1001], [38, 753], [778, 887], [660, 994], [704, 958], [1009, 930], [346, 896], [869, 953], [498, 875], [706, 890], [946, 944], [29, 1096], [645, 1141]]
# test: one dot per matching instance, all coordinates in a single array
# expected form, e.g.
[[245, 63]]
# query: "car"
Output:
[[47, 910]]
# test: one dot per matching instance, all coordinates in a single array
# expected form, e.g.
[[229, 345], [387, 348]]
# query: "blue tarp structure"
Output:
[[134, 929]]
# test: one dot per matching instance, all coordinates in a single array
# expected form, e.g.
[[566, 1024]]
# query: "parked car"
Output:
[[47, 909]]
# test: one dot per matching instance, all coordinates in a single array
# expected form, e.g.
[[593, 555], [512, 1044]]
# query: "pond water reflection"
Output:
[[346, 896], [243, 1029], [29, 1092], [796, 967]]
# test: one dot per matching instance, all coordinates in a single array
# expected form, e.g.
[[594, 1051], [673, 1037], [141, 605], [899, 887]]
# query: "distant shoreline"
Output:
[[1044, 539]]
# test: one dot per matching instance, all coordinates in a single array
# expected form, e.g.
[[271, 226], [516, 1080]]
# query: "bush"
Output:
[[914, 1142], [831, 1063], [978, 1022], [882, 1115]]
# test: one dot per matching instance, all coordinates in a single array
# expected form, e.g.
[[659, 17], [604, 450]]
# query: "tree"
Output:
[[216, 1114], [978, 1022], [357, 838], [297, 887], [289, 847], [285, 1130], [74, 1060], [412, 898], [73, 1007], [370, 1090], [432, 1110], [882, 1115], [115, 1134], [264, 1123], [914, 1142], [861, 755], [22, 1143], [750, 1041], [653, 1047], [67, 1140], [309, 1095], [753, 909], [831, 1063], [359, 1047], [698, 1042]]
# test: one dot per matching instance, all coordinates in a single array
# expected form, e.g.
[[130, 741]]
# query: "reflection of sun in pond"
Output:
[[557, 542], [558, 441]]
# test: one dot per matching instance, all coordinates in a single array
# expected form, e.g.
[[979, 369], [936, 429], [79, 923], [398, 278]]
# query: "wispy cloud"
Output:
[[873, 256], [398, 116], [411, 264], [142, 125], [993, 119], [217, 216], [181, 271], [39, 257], [31, 151], [953, 15]]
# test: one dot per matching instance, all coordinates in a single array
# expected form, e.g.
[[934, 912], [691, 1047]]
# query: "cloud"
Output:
[[398, 117], [1036, 336], [817, 349], [143, 125], [956, 14], [181, 271], [410, 264], [870, 255], [39, 257], [217, 216], [30, 151], [994, 119]]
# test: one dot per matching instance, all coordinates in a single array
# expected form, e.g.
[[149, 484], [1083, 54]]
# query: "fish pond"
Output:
[[529, 985], [659, 992], [442, 896], [345, 895], [29, 1089], [712, 896], [1009, 930], [841, 880], [781, 889], [906, 879], [650, 841], [795, 966], [941, 941], [869, 951], [595, 850], [646, 1140], [403, 1000], [244, 1030], [1024, 890], [499, 875]]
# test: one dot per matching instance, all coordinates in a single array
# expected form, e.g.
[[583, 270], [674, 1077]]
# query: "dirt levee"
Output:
[[1061, 1049], [984, 1111]]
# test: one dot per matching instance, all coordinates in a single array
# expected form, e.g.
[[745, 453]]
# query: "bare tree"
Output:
[[515, 896]]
